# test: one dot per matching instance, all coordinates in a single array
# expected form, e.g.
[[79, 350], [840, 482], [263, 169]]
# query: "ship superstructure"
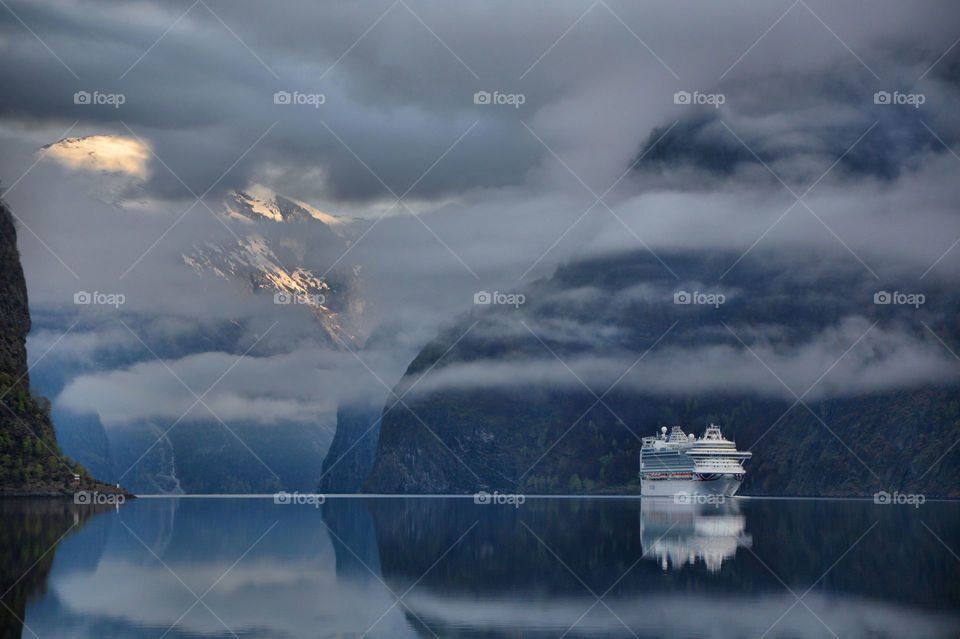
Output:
[[678, 463]]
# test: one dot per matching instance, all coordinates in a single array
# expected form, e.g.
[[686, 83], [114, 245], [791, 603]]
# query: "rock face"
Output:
[[14, 313], [463, 432], [31, 462], [354, 447], [351, 455]]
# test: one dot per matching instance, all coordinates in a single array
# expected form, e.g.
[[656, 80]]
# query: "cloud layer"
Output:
[[802, 163]]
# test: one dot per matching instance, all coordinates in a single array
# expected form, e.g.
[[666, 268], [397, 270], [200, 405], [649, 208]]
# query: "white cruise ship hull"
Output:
[[724, 485]]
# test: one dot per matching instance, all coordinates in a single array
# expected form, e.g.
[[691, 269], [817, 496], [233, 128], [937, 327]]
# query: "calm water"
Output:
[[452, 568]]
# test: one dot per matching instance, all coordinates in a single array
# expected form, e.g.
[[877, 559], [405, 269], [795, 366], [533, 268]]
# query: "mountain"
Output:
[[146, 458], [496, 410], [258, 203], [31, 462], [353, 449], [279, 248], [273, 247], [157, 454], [287, 248]]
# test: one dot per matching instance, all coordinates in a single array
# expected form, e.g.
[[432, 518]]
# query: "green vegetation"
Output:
[[30, 458]]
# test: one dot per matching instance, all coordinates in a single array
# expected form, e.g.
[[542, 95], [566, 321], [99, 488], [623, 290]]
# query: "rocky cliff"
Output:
[[31, 462], [353, 449]]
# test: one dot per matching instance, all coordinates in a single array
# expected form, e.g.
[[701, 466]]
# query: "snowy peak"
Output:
[[288, 261], [252, 259], [282, 267], [257, 203]]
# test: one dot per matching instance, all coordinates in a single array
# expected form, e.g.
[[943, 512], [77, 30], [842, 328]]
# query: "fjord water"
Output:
[[447, 567]]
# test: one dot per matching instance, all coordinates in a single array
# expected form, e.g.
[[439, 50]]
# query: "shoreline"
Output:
[[225, 496]]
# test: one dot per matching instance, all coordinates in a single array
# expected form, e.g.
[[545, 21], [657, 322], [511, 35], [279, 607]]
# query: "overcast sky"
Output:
[[595, 148]]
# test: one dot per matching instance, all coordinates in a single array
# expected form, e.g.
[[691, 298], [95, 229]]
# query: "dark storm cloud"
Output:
[[800, 124], [204, 92], [500, 209], [203, 98]]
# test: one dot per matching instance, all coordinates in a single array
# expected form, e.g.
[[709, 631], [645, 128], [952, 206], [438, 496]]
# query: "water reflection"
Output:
[[539, 570], [682, 534], [29, 534], [192, 568], [452, 568]]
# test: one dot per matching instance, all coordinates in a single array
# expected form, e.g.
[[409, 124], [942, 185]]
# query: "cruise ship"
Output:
[[680, 464]]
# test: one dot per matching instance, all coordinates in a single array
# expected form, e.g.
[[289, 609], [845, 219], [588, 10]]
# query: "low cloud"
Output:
[[507, 203], [884, 359], [265, 390]]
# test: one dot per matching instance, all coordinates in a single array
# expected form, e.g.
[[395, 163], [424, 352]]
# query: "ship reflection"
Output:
[[681, 534]]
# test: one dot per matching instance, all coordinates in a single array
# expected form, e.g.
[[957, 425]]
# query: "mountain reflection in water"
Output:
[[453, 568]]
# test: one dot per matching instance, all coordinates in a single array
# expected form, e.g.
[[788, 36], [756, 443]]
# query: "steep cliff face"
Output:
[[14, 313], [31, 462], [490, 415], [354, 446]]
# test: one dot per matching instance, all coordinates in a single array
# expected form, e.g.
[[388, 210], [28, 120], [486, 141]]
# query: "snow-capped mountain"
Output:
[[258, 203], [280, 248]]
